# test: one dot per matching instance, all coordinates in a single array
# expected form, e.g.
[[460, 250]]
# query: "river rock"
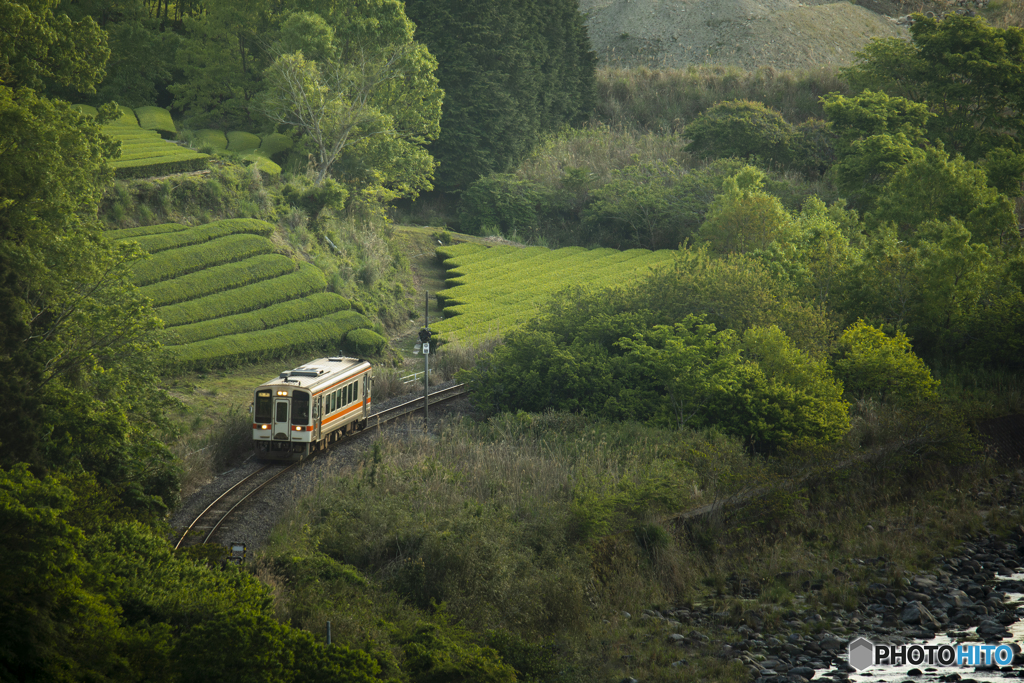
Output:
[[804, 672], [916, 613]]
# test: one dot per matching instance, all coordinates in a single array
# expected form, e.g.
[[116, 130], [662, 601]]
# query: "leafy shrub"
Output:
[[156, 118], [322, 335], [242, 142], [209, 137], [263, 162], [433, 656], [306, 280], [185, 260], [204, 233], [814, 149], [296, 310], [218, 279], [744, 217], [871, 362], [364, 343], [146, 168], [86, 109], [741, 128], [312, 198], [143, 230], [500, 202], [653, 205], [275, 143]]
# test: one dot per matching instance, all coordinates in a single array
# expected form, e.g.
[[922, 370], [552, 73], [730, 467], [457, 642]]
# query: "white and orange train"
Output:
[[302, 410]]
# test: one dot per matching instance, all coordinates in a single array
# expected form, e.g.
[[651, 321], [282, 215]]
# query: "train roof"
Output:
[[320, 371]]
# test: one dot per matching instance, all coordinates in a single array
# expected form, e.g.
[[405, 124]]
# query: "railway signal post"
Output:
[[424, 343]]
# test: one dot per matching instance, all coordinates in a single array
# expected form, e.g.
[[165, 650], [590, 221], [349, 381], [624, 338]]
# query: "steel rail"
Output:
[[241, 500], [384, 416], [218, 500]]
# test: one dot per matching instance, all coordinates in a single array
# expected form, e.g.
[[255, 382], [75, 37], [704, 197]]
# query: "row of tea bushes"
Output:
[[144, 151], [496, 289]]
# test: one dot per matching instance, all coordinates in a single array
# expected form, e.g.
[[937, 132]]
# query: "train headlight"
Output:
[[264, 426]]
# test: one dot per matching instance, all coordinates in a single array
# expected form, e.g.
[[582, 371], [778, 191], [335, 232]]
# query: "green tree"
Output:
[[653, 204], [931, 288], [142, 53], [935, 187], [877, 135], [966, 71], [367, 108], [818, 251], [501, 203], [73, 332], [54, 622], [744, 129], [870, 362], [744, 217], [510, 72], [40, 43], [221, 59]]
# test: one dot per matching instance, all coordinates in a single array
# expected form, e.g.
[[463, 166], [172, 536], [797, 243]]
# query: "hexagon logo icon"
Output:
[[861, 653]]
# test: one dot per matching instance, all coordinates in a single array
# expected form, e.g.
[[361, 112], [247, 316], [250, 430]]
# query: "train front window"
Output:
[[282, 411], [300, 408], [264, 408]]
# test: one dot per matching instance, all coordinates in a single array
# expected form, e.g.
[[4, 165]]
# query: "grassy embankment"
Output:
[[547, 528]]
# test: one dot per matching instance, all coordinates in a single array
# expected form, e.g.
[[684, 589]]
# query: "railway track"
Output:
[[214, 517]]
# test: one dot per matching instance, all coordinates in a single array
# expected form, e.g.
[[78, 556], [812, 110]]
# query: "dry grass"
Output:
[[598, 150], [207, 449], [457, 355], [665, 100]]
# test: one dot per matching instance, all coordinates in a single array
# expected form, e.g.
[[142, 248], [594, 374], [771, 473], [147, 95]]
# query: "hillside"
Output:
[[783, 34]]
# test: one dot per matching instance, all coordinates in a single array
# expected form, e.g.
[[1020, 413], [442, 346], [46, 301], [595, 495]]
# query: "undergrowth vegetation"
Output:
[[549, 527]]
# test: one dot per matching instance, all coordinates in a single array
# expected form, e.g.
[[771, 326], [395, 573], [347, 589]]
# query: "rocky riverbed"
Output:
[[976, 596]]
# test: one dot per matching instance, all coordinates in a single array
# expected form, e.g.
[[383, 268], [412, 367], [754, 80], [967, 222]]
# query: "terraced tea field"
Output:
[[227, 298], [492, 290], [144, 151], [249, 147]]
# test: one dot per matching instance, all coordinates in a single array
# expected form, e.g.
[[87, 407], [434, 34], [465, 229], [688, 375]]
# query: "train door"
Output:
[[282, 425]]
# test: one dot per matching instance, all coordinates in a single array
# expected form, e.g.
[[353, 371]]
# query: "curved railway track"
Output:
[[213, 518]]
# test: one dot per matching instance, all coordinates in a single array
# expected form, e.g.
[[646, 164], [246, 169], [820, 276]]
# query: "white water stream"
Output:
[[898, 674]]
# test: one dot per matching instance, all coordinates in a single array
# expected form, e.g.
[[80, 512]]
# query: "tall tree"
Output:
[[968, 73], [510, 71], [73, 343], [371, 109]]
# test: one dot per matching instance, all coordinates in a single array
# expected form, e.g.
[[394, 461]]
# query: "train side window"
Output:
[[355, 390], [334, 401], [348, 394]]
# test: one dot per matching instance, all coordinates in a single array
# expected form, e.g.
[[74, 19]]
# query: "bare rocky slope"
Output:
[[783, 34]]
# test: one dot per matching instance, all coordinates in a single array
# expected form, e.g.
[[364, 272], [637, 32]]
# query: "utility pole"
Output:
[[425, 342]]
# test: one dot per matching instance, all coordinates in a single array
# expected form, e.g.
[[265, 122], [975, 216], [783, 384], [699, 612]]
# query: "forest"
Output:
[[847, 287]]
